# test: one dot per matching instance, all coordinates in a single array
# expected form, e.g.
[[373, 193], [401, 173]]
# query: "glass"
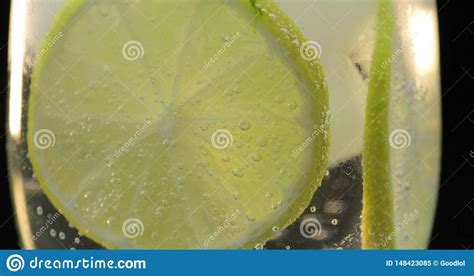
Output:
[[343, 35]]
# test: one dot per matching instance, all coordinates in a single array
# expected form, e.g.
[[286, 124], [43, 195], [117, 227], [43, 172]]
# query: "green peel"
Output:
[[377, 212]]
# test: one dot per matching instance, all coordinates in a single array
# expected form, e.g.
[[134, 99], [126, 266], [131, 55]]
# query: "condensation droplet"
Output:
[[334, 222], [312, 209]]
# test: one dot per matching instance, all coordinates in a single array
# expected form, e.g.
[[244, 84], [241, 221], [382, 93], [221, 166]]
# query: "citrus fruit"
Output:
[[178, 124]]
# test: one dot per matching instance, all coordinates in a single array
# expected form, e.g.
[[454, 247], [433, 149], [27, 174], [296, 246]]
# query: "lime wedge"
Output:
[[178, 124]]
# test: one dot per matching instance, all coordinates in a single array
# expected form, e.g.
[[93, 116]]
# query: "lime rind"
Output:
[[377, 212]]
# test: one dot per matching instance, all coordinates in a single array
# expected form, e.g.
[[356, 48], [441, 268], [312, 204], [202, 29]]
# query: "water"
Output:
[[343, 31], [336, 206]]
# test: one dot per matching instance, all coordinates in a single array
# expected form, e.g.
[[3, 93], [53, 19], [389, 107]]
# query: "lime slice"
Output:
[[178, 124], [377, 213]]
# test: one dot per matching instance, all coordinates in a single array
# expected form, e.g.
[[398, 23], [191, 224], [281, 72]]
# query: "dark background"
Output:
[[454, 225]]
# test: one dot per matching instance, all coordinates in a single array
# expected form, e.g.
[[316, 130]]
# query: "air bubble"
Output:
[[108, 162], [226, 38], [256, 157], [292, 105], [237, 172], [236, 90], [236, 195], [250, 217], [261, 142], [39, 210], [275, 206], [244, 124]]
